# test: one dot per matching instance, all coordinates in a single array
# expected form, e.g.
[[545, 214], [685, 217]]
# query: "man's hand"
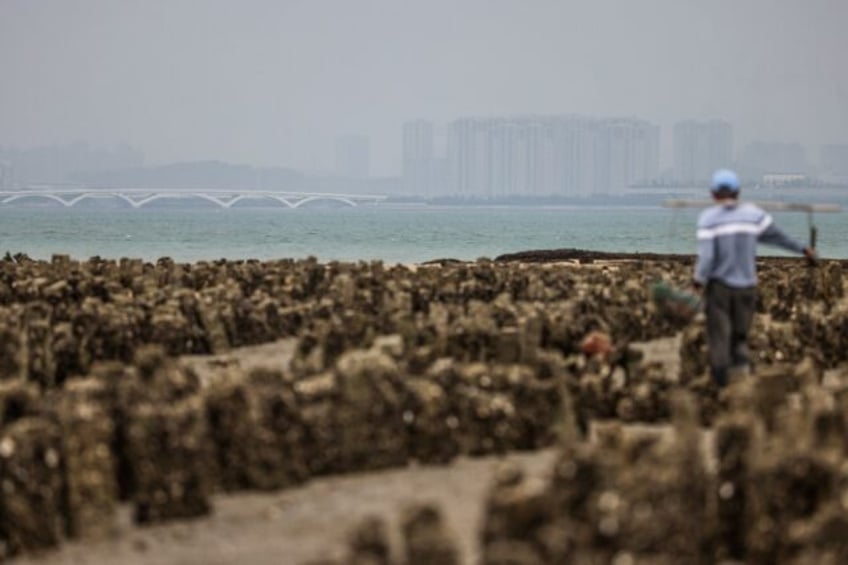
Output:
[[811, 255]]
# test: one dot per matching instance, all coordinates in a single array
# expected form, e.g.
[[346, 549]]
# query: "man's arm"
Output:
[[773, 235], [706, 258]]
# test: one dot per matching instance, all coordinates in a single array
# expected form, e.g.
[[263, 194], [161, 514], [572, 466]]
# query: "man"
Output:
[[726, 271]]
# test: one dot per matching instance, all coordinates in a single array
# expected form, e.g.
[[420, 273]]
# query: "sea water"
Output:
[[392, 233]]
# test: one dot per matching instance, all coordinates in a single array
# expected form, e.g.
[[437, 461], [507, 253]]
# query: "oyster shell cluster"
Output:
[[766, 484], [392, 364]]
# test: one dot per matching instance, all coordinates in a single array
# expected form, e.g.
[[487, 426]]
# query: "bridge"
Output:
[[139, 197]]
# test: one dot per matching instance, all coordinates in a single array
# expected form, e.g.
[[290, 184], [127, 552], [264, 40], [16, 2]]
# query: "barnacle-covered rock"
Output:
[[91, 491], [775, 342], [516, 511], [31, 478], [735, 439], [317, 397], [693, 354], [369, 543], [825, 331], [370, 412], [14, 351], [424, 363], [257, 434], [430, 422], [18, 399], [787, 488], [169, 452], [37, 327], [426, 537]]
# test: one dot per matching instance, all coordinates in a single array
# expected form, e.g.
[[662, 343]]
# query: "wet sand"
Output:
[[304, 523]]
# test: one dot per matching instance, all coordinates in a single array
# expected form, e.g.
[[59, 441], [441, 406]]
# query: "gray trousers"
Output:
[[729, 315]]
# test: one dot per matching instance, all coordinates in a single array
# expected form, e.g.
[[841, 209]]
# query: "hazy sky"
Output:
[[274, 82]]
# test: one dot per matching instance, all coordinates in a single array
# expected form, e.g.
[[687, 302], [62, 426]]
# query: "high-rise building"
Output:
[[575, 163], [353, 156], [626, 152], [760, 158], [700, 148], [550, 156], [419, 158], [470, 143]]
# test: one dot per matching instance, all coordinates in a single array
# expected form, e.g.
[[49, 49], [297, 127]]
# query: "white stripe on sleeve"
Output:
[[732, 229], [764, 224]]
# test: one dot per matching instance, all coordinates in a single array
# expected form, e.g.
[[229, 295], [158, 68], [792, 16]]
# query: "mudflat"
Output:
[[262, 411]]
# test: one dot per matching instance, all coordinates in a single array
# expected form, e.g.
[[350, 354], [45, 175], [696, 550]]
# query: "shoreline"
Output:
[[353, 235], [531, 256]]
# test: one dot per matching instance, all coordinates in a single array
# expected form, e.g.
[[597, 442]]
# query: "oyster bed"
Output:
[[395, 364]]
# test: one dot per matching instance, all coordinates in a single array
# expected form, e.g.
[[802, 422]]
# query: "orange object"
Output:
[[596, 343]]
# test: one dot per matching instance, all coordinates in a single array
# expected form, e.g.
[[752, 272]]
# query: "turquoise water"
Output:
[[390, 233]]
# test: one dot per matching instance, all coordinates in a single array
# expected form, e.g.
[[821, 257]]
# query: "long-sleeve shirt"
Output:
[[727, 243]]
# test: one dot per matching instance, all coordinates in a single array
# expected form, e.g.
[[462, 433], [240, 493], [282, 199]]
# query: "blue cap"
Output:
[[725, 178]]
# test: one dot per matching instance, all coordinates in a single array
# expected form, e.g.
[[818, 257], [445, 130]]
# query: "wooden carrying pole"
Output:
[[771, 206]]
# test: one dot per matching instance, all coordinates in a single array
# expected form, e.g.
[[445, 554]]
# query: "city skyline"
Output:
[[476, 159], [274, 83], [701, 148], [544, 169], [543, 156], [759, 150]]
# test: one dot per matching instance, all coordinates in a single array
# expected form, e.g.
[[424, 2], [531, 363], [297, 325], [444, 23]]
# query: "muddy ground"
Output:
[[301, 524]]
